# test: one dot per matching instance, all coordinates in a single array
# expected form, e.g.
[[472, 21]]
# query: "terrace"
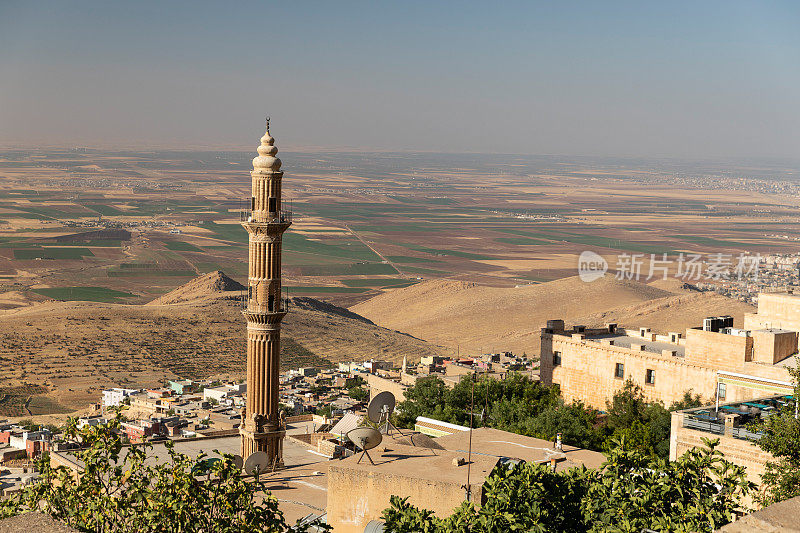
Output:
[[734, 419]]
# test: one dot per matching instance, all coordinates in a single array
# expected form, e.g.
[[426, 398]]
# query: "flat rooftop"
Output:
[[420, 463], [301, 488], [625, 341], [503, 444]]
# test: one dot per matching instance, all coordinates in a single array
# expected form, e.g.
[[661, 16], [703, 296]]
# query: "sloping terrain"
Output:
[[210, 284], [477, 318], [673, 313], [59, 355]]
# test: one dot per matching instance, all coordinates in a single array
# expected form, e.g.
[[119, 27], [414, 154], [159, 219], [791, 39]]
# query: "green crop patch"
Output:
[[444, 252], [88, 294], [325, 290], [181, 246], [149, 273], [353, 250], [226, 232], [523, 241], [52, 253], [358, 269], [410, 259], [376, 282]]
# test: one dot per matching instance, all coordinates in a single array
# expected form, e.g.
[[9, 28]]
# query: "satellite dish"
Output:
[[238, 462], [379, 409], [365, 438], [256, 463], [380, 404]]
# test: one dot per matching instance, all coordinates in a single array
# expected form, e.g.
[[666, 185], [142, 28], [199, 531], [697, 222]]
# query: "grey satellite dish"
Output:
[[379, 410], [381, 403], [256, 463], [365, 438], [238, 462]]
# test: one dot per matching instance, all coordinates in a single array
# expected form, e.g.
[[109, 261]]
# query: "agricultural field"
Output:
[[129, 227]]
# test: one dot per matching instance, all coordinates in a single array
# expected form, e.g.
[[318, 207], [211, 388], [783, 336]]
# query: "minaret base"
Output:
[[269, 442]]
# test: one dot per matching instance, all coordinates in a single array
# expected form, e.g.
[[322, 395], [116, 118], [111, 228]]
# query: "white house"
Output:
[[114, 397]]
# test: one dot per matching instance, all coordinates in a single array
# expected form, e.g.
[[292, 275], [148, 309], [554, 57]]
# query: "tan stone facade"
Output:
[[265, 223], [592, 364]]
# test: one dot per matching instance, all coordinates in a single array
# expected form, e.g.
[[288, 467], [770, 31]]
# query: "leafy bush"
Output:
[[700, 491], [119, 490]]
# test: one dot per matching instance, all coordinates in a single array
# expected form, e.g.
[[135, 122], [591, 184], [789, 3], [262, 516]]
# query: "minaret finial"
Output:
[[267, 124]]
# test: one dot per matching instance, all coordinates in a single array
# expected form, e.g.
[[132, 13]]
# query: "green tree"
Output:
[[358, 393], [781, 438], [119, 490], [701, 491]]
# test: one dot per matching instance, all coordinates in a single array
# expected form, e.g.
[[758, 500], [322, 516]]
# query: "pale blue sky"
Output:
[[681, 79]]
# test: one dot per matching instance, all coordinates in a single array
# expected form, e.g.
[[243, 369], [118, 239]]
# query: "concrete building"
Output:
[[265, 223], [716, 361], [223, 392], [114, 397], [727, 422], [182, 386]]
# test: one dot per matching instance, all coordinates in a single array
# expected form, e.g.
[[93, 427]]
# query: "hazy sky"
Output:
[[670, 78]]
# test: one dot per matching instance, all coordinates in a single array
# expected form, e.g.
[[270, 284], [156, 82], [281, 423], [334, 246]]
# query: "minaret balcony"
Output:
[[279, 218], [251, 306]]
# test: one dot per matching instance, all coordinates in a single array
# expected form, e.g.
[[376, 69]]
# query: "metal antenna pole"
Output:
[[468, 488]]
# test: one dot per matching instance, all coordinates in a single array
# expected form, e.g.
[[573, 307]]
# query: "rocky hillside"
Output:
[[57, 356]]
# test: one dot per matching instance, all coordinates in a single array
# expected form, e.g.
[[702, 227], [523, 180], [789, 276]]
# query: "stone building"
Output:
[[717, 361]]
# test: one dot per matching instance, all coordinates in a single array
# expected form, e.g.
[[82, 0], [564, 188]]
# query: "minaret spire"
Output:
[[261, 428]]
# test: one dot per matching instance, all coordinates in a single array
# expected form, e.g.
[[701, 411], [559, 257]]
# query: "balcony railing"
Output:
[[280, 306], [279, 217]]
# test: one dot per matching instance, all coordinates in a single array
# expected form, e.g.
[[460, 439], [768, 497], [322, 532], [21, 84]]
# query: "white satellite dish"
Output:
[[379, 410], [238, 462], [365, 438], [256, 464]]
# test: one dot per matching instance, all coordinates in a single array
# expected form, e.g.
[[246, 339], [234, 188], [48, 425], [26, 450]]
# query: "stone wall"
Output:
[[361, 496], [378, 384]]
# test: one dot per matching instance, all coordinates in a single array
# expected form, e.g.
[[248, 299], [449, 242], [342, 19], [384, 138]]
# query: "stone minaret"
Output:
[[261, 427]]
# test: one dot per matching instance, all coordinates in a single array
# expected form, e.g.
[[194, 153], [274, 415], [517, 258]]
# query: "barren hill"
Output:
[[59, 355], [455, 313], [673, 313], [209, 285]]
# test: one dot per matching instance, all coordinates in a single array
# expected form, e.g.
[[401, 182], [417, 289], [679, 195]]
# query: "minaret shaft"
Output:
[[261, 427]]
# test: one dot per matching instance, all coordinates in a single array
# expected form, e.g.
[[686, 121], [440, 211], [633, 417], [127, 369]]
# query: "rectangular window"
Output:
[[252, 203], [650, 377], [619, 371], [556, 358], [273, 205], [722, 390]]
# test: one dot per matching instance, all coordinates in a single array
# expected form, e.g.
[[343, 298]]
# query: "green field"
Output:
[[325, 290], [148, 273], [181, 246], [522, 240], [52, 253], [376, 282], [444, 252], [89, 294], [410, 259], [358, 269]]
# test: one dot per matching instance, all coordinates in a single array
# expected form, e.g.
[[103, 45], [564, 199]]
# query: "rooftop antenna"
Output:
[[365, 438], [238, 462], [468, 488], [379, 410]]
